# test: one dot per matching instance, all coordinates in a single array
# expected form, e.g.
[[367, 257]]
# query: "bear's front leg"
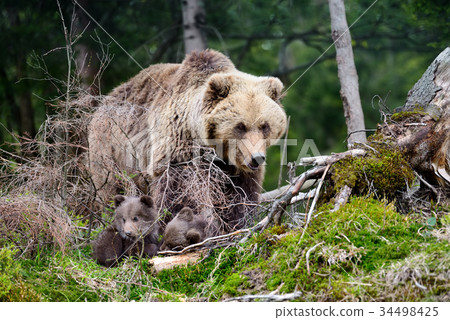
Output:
[[108, 248]]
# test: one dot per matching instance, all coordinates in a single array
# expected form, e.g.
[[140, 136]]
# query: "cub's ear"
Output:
[[186, 214], [219, 87], [147, 200], [273, 87], [118, 200]]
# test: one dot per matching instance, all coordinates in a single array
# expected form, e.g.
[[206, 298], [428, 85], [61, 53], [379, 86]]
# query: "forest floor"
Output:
[[365, 251]]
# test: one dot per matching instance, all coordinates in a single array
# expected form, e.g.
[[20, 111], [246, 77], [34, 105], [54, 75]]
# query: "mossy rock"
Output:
[[384, 171]]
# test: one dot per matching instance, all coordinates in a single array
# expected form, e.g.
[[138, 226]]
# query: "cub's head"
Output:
[[243, 117], [135, 216], [183, 230]]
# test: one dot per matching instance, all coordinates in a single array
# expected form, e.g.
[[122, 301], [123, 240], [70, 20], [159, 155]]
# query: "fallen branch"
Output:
[[162, 263], [268, 297], [311, 161], [329, 160], [280, 204], [342, 197], [303, 196]]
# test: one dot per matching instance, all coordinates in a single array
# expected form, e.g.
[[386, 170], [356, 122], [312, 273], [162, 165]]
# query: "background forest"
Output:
[[393, 43], [370, 249]]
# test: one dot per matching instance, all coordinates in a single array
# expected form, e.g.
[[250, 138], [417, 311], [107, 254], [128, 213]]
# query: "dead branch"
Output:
[[316, 197], [327, 160], [162, 263], [303, 196], [280, 204], [267, 297], [342, 197]]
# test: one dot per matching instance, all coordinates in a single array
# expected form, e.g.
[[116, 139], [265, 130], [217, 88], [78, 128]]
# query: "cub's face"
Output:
[[243, 118], [135, 216]]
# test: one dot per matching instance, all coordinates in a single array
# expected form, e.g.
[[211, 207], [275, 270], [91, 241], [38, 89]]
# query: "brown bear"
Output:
[[134, 232], [185, 229], [153, 121]]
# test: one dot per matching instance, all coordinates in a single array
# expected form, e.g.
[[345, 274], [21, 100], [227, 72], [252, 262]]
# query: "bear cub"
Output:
[[134, 232], [185, 229]]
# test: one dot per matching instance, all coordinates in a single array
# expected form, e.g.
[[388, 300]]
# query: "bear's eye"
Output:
[[265, 128], [135, 219], [240, 129], [123, 220]]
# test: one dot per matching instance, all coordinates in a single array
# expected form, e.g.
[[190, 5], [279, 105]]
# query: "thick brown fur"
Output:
[[185, 229], [134, 231], [154, 119]]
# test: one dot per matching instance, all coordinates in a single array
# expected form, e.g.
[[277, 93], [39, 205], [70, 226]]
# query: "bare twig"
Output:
[[283, 153], [316, 197], [201, 244], [307, 255]]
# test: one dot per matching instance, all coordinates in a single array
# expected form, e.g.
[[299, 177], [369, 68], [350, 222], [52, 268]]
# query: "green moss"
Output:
[[234, 283], [12, 286], [383, 170], [414, 115]]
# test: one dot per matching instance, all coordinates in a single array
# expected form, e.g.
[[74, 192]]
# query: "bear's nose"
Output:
[[257, 160]]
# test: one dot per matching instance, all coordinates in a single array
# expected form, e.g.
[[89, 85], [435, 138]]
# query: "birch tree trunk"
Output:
[[193, 19], [348, 76]]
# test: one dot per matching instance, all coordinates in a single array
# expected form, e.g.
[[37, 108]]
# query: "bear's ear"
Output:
[[273, 87], [218, 87], [118, 200], [147, 200], [186, 214]]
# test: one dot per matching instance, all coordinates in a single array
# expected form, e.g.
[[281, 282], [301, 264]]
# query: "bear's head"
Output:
[[135, 216], [243, 116]]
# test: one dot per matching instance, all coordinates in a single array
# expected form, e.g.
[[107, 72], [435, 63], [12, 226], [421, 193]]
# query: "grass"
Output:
[[366, 251]]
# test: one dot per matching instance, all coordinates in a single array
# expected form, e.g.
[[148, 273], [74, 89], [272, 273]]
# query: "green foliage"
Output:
[[12, 287]]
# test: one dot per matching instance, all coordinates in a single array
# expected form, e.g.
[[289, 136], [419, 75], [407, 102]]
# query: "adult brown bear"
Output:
[[155, 118]]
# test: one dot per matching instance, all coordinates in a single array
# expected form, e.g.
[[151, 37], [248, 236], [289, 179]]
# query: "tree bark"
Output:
[[86, 60], [422, 126], [193, 20], [347, 73]]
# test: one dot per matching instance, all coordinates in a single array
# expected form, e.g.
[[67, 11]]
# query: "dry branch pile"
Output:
[[31, 223]]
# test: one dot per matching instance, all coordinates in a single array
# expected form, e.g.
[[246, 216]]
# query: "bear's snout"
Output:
[[257, 160], [129, 234]]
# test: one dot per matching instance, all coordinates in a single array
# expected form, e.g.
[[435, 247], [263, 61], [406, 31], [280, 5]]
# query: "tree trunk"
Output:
[[193, 20], [27, 126], [348, 76], [422, 126], [86, 60]]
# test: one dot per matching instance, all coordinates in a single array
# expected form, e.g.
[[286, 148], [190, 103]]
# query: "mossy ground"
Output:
[[366, 251]]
